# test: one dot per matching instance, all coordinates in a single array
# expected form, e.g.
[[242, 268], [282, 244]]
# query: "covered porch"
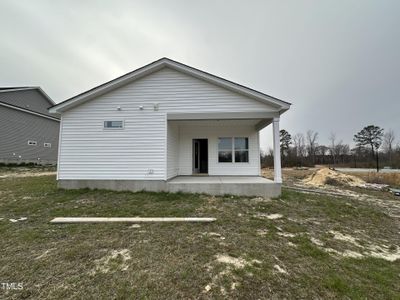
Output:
[[219, 153]]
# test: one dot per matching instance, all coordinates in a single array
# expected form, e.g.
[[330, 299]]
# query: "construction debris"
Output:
[[17, 220], [327, 176], [127, 220]]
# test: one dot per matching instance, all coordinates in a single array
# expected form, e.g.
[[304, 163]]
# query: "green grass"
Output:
[[178, 260]]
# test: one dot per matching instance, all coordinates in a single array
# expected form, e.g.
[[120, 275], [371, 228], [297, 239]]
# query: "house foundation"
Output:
[[213, 185]]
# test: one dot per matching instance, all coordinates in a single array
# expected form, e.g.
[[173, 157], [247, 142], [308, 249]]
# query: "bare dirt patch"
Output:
[[279, 269], [26, 174], [215, 235], [117, 260], [231, 264], [268, 216], [367, 249]]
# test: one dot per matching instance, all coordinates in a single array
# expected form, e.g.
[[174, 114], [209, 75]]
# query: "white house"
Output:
[[161, 127]]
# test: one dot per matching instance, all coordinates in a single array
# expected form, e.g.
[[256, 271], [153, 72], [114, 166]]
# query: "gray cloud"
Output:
[[337, 61]]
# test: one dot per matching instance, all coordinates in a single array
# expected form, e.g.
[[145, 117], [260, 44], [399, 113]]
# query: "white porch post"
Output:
[[277, 151]]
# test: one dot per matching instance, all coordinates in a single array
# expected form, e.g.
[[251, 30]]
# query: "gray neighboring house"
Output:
[[28, 132]]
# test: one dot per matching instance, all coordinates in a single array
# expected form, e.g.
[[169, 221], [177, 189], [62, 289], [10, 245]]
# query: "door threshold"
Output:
[[200, 174]]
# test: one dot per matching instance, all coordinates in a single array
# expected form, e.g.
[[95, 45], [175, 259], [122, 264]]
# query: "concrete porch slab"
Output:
[[223, 185], [219, 179]]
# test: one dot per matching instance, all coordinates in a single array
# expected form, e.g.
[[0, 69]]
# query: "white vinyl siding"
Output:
[[173, 150], [140, 151], [90, 152]]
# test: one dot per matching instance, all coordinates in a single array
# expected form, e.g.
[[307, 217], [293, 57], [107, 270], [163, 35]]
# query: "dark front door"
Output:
[[200, 156]]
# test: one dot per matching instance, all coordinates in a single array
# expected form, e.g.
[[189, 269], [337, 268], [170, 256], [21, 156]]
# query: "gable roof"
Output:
[[158, 65], [27, 88], [27, 99]]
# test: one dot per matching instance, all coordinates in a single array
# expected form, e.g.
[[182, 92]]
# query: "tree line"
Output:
[[374, 148]]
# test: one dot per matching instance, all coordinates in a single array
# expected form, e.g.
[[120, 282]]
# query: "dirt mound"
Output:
[[327, 176]]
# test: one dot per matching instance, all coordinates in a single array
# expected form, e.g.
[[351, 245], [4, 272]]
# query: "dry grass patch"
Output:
[[392, 179]]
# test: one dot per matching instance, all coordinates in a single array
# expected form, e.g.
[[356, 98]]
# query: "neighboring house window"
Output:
[[233, 149], [113, 124], [32, 143], [47, 145]]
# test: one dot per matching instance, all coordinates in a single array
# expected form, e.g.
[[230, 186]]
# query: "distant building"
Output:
[[28, 132]]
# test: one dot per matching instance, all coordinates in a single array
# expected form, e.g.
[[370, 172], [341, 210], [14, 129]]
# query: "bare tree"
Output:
[[312, 138], [342, 150], [299, 145], [388, 142], [321, 151], [332, 146]]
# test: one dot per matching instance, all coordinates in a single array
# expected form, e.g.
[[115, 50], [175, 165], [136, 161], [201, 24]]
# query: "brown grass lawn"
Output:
[[392, 179], [299, 246]]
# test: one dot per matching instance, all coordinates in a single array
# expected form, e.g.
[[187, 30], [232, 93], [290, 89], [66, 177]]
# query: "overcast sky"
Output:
[[338, 62]]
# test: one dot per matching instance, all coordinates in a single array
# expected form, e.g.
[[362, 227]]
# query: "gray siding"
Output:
[[28, 99], [17, 127]]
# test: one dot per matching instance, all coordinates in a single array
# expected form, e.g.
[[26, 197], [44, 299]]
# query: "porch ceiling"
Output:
[[222, 116], [257, 119]]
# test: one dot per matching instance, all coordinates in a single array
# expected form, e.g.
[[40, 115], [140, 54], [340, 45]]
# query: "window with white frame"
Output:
[[225, 149], [114, 124], [47, 145], [241, 149], [32, 143], [233, 149]]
